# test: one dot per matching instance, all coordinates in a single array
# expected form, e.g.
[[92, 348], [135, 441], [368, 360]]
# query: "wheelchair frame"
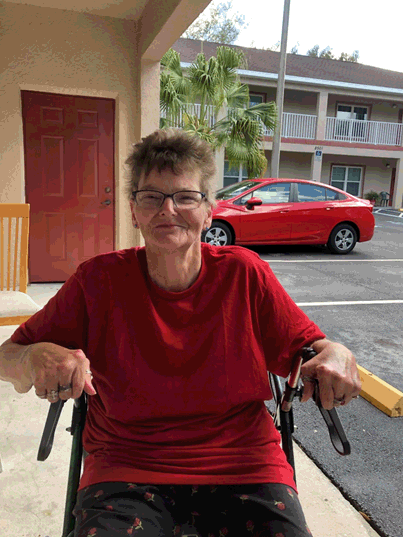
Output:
[[282, 417]]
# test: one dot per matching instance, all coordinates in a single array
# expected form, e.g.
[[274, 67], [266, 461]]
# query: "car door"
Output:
[[268, 222], [313, 216]]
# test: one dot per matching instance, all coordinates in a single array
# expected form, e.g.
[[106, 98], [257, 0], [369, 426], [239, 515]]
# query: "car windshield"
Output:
[[234, 190]]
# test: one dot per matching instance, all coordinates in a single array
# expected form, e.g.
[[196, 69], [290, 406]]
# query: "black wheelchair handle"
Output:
[[336, 431], [48, 434]]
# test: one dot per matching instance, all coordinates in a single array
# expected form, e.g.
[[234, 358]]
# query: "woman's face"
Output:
[[169, 228]]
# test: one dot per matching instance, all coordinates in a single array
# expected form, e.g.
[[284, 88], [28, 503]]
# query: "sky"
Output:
[[374, 29]]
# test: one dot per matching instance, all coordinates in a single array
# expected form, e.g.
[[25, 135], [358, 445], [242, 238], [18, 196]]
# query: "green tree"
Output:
[[217, 25], [214, 85], [327, 54], [349, 57]]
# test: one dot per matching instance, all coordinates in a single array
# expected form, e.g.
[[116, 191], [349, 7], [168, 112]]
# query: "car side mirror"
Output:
[[253, 202]]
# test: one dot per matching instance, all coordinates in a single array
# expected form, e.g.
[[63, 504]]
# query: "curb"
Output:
[[382, 395]]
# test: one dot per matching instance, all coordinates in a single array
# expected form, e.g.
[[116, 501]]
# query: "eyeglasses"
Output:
[[153, 199]]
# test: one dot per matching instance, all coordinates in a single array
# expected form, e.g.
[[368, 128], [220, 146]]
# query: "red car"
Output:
[[289, 211]]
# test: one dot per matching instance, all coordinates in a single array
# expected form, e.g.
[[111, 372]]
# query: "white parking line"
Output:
[[388, 214], [349, 303], [333, 260]]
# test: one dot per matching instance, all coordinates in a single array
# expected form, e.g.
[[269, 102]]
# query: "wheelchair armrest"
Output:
[[48, 435]]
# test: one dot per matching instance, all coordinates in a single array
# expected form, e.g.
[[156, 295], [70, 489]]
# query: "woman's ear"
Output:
[[209, 218], [134, 221]]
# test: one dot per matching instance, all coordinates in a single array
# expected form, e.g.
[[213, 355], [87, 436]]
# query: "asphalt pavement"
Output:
[[371, 478]]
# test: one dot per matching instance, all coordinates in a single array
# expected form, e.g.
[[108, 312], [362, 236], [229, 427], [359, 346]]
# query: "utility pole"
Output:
[[275, 153]]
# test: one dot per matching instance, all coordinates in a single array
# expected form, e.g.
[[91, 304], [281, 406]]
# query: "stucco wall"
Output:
[[292, 165], [66, 52], [376, 176]]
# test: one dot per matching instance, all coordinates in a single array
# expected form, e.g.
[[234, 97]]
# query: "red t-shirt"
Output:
[[181, 378]]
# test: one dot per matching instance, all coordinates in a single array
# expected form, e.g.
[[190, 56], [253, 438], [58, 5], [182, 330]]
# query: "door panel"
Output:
[[69, 166], [268, 222], [313, 217]]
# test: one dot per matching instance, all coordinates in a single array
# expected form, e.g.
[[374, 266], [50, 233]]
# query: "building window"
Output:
[[235, 174], [347, 178], [347, 129], [255, 98]]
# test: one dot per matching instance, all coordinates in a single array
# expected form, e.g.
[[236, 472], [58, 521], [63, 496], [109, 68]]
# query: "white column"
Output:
[[321, 113], [397, 202]]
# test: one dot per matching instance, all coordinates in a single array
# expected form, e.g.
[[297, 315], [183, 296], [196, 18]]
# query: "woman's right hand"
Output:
[[57, 372]]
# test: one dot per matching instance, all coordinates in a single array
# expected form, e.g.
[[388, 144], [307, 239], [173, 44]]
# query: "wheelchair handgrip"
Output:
[[336, 432], [48, 435]]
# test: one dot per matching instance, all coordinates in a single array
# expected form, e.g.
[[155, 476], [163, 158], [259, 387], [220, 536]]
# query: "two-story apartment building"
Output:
[[342, 121]]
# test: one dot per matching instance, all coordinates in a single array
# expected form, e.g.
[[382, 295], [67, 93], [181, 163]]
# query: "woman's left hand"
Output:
[[335, 369]]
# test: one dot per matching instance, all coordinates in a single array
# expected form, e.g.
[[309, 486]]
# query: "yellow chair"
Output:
[[15, 305]]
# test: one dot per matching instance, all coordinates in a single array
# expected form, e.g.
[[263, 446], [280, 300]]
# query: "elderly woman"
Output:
[[178, 336]]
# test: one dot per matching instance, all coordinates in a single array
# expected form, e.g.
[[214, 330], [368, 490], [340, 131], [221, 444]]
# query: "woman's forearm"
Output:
[[13, 366]]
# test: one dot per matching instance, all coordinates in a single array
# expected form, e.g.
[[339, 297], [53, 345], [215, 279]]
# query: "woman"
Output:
[[178, 336]]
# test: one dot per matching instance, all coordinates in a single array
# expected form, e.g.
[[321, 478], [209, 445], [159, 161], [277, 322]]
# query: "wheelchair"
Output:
[[282, 416]]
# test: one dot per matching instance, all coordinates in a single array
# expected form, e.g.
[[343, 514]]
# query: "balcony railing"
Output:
[[364, 132], [304, 126], [297, 126], [194, 110]]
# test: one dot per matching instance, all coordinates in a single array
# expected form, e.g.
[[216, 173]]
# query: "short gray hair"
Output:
[[175, 150]]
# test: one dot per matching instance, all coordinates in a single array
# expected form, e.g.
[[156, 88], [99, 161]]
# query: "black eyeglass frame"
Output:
[[203, 196]]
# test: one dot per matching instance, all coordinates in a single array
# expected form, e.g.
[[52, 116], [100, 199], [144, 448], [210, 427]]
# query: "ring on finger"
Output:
[[65, 388], [53, 394], [339, 401], [89, 372]]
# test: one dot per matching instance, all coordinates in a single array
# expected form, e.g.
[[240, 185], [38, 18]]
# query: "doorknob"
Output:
[[106, 202]]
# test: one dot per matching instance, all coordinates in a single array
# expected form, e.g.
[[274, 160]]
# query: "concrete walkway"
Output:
[[32, 493]]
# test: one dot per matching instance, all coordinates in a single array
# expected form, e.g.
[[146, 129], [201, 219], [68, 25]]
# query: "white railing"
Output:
[[304, 126], [297, 126], [366, 132], [194, 110]]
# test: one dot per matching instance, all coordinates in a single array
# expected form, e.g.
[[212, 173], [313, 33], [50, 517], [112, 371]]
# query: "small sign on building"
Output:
[[318, 153]]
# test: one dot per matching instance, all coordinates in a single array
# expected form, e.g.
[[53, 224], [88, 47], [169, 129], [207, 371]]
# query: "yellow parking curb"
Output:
[[381, 394]]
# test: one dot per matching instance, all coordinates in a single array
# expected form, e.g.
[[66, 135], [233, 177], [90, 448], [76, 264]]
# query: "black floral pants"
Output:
[[259, 510]]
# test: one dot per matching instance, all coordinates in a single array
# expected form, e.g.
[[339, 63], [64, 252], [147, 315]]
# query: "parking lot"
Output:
[[357, 300]]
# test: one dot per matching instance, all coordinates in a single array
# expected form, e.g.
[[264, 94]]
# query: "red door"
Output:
[[69, 174]]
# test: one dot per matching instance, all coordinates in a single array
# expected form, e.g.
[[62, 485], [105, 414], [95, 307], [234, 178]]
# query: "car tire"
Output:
[[218, 234], [342, 239]]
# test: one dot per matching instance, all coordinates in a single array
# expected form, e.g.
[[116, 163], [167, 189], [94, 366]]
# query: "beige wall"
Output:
[[299, 102], [66, 52], [376, 176], [292, 165], [379, 109]]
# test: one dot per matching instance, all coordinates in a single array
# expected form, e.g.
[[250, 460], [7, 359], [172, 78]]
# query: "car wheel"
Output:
[[342, 239], [218, 235]]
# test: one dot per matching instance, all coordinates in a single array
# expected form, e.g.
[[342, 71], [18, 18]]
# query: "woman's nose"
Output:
[[168, 206]]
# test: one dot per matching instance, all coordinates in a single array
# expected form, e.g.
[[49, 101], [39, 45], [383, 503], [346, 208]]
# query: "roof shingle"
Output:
[[268, 61]]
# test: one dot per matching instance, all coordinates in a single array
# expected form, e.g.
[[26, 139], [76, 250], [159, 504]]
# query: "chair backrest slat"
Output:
[[1, 253], [10, 221], [14, 238]]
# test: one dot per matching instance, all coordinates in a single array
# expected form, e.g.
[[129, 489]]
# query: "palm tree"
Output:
[[215, 86]]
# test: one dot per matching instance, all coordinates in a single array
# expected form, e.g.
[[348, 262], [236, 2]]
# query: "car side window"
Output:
[[307, 192], [332, 195], [273, 193]]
